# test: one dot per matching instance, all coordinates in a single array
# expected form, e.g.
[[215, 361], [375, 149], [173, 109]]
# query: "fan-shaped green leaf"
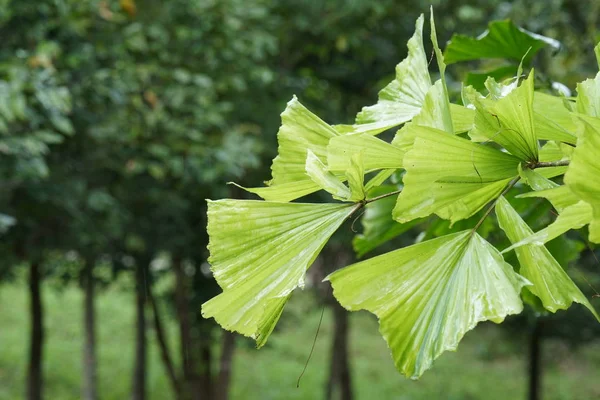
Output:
[[560, 197], [535, 180], [509, 121], [355, 175], [378, 154], [326, 180], [462, 118], [583, 176], [451, 176], [427, 296], [550, 282], [433, 115], [402, 98], [588, 97], [502, 39], [571, 217], [300, 131], [259, 253], [445, 109], [552, 119]]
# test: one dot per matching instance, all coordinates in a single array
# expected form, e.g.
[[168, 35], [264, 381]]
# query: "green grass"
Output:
[[484, 367]]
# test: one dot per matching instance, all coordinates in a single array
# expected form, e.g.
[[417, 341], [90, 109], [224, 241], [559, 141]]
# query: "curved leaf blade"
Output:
[[403, 97], [300, 131], [551, 284], [259, 253], [427, 296], [572, 217], [451, 176], [319, 173], [588, 97], [378, 154], [502, 39], [552, 119], [561, 197], [583, 175], [509, 121]]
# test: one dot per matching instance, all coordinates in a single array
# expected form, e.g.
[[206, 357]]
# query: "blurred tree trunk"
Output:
[[187, 349], [139, 371], [339, 372], [89, 323], [34, 373], [163, 345], [535, 358], [227, 349], [339, 384], [205, 382]]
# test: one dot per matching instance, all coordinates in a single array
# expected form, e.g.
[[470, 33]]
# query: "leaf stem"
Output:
[[491, 206], [545, 164], [395, 192]]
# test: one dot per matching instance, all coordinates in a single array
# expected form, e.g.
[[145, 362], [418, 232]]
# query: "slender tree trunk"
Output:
[[139, 371], [227, 349], [34, 373], [339, 384], [205, 387], [339, 375], [89, 322], [535, 358], [163, 346], [185, 331]]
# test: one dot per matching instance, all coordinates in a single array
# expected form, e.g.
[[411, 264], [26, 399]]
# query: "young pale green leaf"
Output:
[[550, 281], [571, 217], [451, 176], [300, 131], [535, 180], [436, 109], [561, 197], [377, 222], [402, 98], [433, 114], [588, 97], [326, 180], [502, 39], [259, 253], [284, 191], [499, 90], [552, 119], [462, 118], [445, 109], [509, 121], [427, 296], [583, 176], [377, 154], [355, 175]]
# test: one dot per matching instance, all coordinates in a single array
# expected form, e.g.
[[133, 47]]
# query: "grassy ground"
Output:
[[484, 367]]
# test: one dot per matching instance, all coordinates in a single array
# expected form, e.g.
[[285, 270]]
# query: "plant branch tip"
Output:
[[547, 164], [383, 196]]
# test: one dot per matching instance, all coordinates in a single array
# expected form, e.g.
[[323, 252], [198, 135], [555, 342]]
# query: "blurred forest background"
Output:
[[119, 118]]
